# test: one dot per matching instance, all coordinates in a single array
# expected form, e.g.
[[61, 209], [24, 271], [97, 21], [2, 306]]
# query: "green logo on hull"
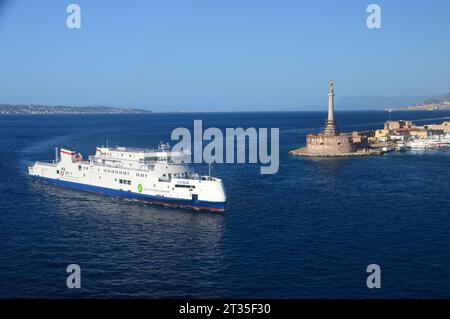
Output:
[[140, 188]]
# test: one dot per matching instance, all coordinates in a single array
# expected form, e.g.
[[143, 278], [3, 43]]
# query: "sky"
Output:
[[220, 55]]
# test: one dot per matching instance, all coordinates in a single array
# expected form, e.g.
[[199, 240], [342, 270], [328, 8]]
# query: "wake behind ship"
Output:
[[156, 176]]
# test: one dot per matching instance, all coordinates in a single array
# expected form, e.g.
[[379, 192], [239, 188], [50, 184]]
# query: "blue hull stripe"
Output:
[[199, 204]]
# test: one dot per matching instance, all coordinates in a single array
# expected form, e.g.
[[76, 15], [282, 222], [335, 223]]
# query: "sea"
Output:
[[309, 231]]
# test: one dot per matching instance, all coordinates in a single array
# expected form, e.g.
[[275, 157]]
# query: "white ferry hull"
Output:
[[166, 201]]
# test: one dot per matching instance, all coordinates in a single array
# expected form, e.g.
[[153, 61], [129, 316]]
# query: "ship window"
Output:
[[79, 167], [120, 181], [129, 182], [57, 171], [184, 186]]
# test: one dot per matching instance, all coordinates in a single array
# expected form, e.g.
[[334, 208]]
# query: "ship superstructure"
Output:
[[153, 175]]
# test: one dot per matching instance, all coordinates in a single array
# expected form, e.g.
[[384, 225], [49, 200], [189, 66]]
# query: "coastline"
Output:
[[303, 152]]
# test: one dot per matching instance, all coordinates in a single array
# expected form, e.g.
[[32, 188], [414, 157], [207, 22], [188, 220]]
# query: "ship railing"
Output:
[[119, 165], [197, 178], [46, 163]]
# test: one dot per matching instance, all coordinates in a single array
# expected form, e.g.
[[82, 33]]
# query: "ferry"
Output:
[[152, 175]]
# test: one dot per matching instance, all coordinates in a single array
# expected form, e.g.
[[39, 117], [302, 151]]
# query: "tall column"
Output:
[[331, 103], [330, 127]]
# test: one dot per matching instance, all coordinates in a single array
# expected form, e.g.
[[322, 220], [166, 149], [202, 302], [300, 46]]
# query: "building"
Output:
[[395, 125], [445, 127], [412, 132], [395, 131], [382, 135]]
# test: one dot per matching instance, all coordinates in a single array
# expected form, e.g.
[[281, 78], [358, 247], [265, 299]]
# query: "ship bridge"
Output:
[[137, 158]]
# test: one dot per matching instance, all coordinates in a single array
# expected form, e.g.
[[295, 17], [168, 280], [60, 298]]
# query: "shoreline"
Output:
[[302, 152]]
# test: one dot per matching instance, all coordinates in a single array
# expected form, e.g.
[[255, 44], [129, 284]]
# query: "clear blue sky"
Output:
[[220, 54]]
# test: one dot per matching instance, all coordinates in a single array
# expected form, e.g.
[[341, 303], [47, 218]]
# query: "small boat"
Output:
[[401, 147], [419, 144]]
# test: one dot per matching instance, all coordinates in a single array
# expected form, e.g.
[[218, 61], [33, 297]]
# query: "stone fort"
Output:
[[330, 142]]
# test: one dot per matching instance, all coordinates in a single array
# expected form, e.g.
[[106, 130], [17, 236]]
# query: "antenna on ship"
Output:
[[56, 154], [209, 171], [107, 143]]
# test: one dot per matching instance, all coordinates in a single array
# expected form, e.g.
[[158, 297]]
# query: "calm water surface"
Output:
[[308, 231]]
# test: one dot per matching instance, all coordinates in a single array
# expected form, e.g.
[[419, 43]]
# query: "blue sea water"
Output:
[[308, 231]]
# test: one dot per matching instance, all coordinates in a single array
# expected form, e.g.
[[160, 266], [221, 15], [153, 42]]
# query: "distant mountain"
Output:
[[6, 109], [439, 99], [378, 102]]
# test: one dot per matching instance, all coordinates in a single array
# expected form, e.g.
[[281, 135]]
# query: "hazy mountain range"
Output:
[[382, 102], [345, 103], [378, 102], [439, 99]]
